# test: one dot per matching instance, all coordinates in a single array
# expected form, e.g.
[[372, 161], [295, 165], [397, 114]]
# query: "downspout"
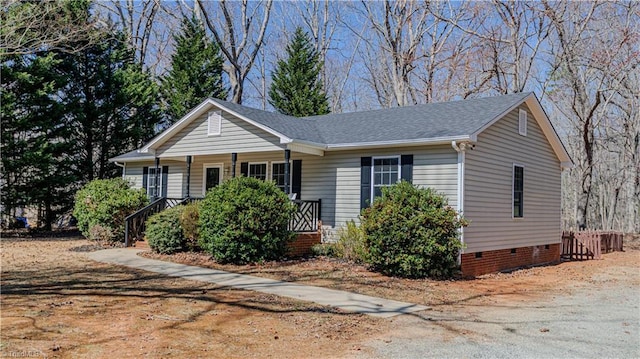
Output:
[[123, 166], [460, 148]]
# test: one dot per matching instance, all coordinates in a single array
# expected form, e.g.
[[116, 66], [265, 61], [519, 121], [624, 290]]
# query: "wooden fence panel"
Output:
[[589, 244]]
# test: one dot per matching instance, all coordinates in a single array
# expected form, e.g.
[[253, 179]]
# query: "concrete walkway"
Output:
[[347, 301]]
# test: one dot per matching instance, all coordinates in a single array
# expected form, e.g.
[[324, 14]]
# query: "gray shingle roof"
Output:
[[290, 126], [421, 122]]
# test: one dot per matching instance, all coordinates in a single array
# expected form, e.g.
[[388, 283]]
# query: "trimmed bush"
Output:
[[351, 243], [164, 232], [101, 206], [245, 220], [412, 232]]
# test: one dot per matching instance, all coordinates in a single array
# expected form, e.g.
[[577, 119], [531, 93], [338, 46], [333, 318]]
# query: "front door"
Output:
[[212, 176]]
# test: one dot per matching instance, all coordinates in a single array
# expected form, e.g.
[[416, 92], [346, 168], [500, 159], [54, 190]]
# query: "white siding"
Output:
[[236, 136], [335, 178], [488, 188], [133, 173], [197, 167], [177, 172]]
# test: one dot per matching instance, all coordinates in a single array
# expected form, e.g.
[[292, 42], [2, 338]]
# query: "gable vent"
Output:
[[522, 122], [214, 123]]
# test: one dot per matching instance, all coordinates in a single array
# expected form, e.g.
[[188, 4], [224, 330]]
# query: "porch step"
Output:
[[144, 245]]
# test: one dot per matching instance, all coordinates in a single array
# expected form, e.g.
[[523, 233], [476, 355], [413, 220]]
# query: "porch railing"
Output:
[[135, 224], [307, 218]]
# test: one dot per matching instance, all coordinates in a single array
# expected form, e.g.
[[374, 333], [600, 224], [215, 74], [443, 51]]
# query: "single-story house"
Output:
[[497, 159]]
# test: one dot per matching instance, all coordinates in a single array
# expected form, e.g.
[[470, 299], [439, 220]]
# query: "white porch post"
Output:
[[157, 175]]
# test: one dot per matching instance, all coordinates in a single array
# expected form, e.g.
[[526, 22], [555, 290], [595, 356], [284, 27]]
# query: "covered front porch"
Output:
[[174, 180]]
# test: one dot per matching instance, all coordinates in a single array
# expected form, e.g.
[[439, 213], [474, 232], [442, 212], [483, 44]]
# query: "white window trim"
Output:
[[373, 171], [159, 194], [218, 129], [204, 174], [513, 177], [523, 116], [270, 165], [266, 172]]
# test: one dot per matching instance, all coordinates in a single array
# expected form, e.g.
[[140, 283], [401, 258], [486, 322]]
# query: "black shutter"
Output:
[[296, 180], [365, 182], [244, 169], [165, 178], [406, 161], [145, 177]]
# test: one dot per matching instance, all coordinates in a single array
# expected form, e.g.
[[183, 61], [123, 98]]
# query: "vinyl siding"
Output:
[[488, 188], [236, 136], [334, 178], [177, 173]]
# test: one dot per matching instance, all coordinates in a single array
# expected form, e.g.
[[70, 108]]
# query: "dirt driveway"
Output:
[[57, 303]]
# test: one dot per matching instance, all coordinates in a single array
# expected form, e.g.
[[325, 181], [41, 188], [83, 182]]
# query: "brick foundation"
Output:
[[504, 259], [303, 243]]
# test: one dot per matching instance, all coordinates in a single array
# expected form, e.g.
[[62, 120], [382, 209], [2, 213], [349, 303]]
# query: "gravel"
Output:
[[598, 318]]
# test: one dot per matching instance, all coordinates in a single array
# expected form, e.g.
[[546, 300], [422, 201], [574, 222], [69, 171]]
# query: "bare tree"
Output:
[[29, 27], [394, 48], [513, 33], [595, 89], [240, 32], [147, 26]]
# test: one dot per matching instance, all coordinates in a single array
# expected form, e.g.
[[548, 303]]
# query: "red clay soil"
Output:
[[57, 303]]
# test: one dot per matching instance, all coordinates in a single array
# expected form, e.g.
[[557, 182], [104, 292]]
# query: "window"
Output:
[[522, 122], [214, 123], [518, 191], [258, 170], [386, 171], [277, 174], [151, 182]]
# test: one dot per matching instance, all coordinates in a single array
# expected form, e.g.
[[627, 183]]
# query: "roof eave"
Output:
[[130, 159], [543, 121], [400, 143]]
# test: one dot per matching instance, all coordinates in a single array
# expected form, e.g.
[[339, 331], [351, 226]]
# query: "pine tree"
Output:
[[296, 88], [196, 71], [65, 113], [112, 104], [36, 169]]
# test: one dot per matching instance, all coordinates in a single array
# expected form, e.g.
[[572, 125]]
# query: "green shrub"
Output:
[[245, 220], [101, 206], [351, 243], [412, 232], [189, 223], [164, 232], [324, 249]]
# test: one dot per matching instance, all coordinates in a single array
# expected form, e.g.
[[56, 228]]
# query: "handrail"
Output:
[[135, 223]]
